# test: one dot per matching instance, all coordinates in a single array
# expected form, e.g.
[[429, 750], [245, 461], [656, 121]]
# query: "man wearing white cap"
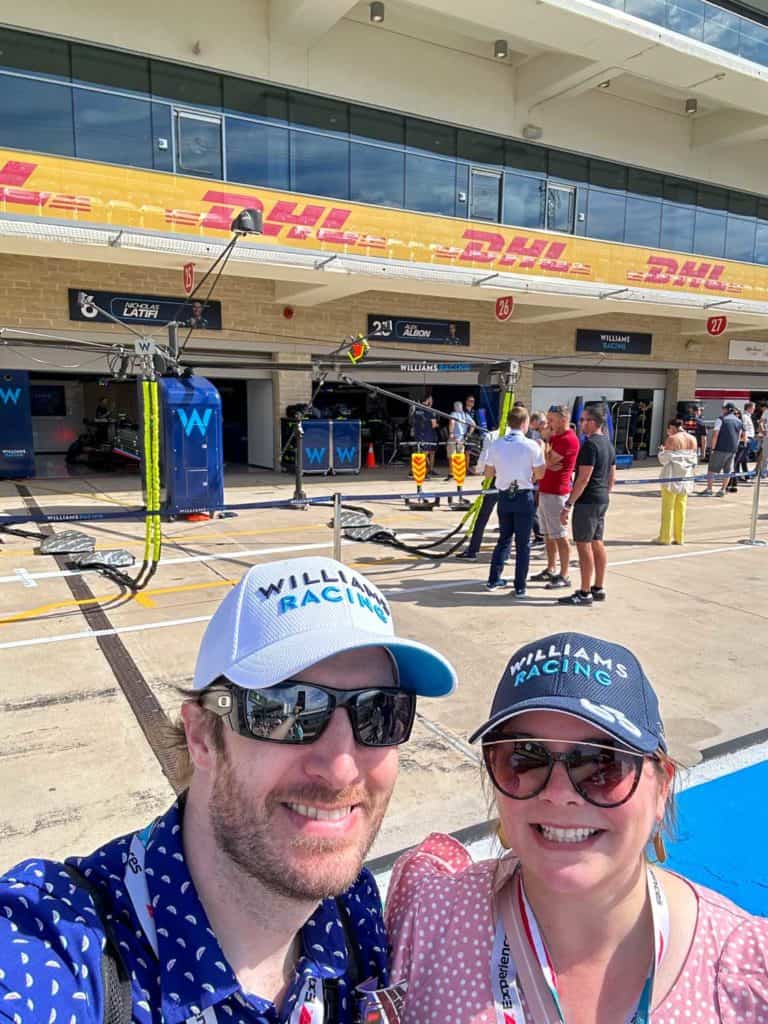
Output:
[[247, 900]]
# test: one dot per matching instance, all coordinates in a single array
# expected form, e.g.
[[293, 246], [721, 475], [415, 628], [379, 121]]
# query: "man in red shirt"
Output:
[[554, 488]]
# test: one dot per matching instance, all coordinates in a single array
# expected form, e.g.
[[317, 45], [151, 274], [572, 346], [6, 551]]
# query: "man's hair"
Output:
[[175, 739], [561, 410], [517, 417], [748, 406], [596, 413]]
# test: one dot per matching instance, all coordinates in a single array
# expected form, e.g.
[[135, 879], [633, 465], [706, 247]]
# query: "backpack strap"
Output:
[[115, 981]]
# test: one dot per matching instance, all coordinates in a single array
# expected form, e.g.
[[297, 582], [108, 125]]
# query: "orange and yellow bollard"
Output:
[[459, 474], [419, 474]]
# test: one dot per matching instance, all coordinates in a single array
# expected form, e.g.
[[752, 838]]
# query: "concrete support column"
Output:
[[289, 387], [681, 384]]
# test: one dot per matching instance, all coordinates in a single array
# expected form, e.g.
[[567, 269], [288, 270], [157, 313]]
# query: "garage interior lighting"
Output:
[[377, 12], [501, 49]]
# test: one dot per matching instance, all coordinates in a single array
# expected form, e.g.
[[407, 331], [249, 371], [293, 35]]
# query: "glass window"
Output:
[[257, 154], [680, 191], [559, 208], [430, 184], [36, 116], [429, 136], [721, 29], [762, 209], [605, 215], [162, 137], [198, 145], [753, 42], [648, 10], [525, 157], [687, 20], [112, 128], [570, 166], [377, 124], [643, 222], [268, 101], [377, 175], [645, 183], [740, 238], [523, 201], [677, 227], [711, 198], [187, 85], [38, 54], [484, 195], [607, 175], [318, 112], [109, 67], [480, 148], [761, 243], [743, 204], [319, 165], [709, 233]]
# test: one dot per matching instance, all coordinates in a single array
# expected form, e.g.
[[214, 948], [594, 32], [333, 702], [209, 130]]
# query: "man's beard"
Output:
[[307, 868]]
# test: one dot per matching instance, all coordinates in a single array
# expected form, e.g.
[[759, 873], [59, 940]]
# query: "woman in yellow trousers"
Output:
[[678, 465]]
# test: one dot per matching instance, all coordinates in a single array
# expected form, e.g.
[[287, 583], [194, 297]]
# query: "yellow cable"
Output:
[[146, 409], [156, 469]]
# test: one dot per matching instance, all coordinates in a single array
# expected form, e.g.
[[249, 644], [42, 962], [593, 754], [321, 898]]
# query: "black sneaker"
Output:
[[519, 594], [469, 556], [558, 581], [598, 593], [496, 585], [577, 597], [543, 577]]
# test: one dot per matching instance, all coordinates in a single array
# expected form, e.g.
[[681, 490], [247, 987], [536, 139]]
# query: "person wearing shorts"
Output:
[[554, 488], [726, 437], [595, 477]]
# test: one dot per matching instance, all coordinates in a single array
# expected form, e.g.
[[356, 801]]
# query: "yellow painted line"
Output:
[[143, 597]]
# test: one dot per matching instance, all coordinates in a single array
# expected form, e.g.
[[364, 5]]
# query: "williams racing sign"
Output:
[[154, 310], [61, 190]]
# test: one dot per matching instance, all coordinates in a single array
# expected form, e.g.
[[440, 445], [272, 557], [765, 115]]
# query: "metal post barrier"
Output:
[[337, 526], [752, 540]]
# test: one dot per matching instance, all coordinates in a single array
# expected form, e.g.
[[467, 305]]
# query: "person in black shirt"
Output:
[[424, 428], [595, 477]]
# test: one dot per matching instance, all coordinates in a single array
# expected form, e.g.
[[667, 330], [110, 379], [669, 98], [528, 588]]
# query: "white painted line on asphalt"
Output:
[[25, 578], [390, 592], [90, 634], [223, 556]]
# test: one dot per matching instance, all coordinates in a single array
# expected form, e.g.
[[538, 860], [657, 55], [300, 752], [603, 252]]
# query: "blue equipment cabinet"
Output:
[[192, 451], [17, 451]]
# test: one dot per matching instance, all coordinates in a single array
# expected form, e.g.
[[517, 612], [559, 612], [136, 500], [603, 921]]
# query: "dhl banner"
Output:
[[55, 188]]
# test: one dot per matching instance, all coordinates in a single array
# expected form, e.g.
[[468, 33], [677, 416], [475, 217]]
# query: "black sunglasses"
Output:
[[603, 775], [295, 712]]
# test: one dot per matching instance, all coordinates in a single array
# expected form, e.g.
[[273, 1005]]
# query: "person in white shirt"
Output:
[[741, 462], [516, 462], [488, 503]]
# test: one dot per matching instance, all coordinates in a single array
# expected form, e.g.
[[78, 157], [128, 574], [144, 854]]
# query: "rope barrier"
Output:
[[100, 515]]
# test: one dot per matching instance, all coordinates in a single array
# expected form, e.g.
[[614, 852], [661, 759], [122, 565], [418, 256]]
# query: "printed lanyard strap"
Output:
[[520, 958]]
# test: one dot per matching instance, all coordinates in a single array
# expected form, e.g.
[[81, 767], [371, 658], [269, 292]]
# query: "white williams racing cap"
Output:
[[283, 617]]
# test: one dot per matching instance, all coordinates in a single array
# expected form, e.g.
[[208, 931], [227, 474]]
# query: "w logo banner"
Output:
[[194, 421], [10, 397], [346, 454], [315, 455]]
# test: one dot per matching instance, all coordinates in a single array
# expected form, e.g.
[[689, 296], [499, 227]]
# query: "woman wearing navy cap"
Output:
[[572, 924]]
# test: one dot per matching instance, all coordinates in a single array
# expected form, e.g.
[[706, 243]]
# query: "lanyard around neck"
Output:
[[504, 972]]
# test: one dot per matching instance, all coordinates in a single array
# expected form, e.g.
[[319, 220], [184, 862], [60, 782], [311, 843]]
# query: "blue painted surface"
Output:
[[723, 837]]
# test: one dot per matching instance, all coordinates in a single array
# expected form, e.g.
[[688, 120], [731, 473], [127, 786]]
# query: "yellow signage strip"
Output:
[[52, 188]]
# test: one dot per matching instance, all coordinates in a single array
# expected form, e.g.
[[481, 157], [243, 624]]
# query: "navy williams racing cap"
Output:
[[594, 680]]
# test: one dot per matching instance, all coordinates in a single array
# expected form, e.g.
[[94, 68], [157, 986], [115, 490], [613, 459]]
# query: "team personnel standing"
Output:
[[425, 432], [595, 477], [745, 449], [244, 902], [516, 462], [726, 437], [487, 505], [554, 488]]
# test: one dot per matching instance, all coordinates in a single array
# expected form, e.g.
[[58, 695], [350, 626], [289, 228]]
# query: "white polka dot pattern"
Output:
[[441, 927], [51, 942]]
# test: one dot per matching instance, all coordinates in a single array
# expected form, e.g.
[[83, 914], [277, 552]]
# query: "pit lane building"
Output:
[[600, 161]]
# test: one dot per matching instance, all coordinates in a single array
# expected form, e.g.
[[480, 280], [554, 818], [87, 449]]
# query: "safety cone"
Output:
[[197, 517], [370, 459]]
